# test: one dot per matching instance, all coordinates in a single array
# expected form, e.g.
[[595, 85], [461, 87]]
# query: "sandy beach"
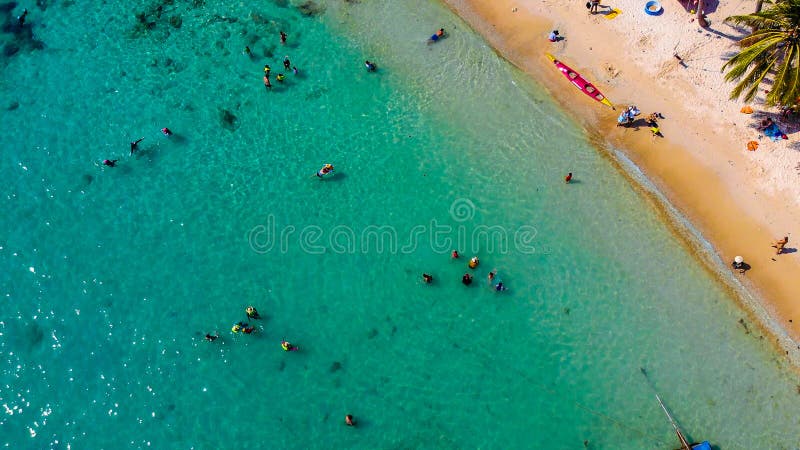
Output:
[[740, 201]]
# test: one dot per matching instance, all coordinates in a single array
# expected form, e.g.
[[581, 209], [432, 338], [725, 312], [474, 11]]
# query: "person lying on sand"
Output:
[[780, 244]]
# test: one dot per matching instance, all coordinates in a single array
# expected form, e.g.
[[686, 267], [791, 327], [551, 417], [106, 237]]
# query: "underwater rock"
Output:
[[310, 8], [13, 106], [176, 21], [229, 120]]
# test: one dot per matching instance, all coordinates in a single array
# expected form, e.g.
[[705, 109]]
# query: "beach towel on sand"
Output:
[[613, 13]]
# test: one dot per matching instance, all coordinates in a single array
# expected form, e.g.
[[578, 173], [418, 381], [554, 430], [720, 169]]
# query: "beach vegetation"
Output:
[[770, 53]]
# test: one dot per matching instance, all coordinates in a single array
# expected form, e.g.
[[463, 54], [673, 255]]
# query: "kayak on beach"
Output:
[[579, 82]]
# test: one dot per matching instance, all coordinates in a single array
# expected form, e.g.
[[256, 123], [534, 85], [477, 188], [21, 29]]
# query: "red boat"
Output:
[[579, 82]]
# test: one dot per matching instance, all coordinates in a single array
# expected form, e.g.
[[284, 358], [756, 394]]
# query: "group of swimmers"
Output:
[[467, 278], [287, 64], [135, 147], [246, 328]]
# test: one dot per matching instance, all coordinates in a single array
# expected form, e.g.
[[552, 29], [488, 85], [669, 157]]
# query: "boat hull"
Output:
[[579, 82]]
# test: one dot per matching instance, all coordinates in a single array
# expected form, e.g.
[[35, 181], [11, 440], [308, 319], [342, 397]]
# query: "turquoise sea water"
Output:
[[110, 277]]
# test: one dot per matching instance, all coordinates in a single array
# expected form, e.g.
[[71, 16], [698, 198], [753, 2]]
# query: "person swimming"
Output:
[[568, 178], [473, 263], [110, 162], [21, 19], [247, 51], [349, 420], [135, 145], [294, 70], [267, 69], [499, 287], [466, 279], [326, 169], [283, 37], [491, 276], [211, 338], [371, 67], [267, 84], [427, 278], [166, 132], [286, 63], [288, 347], [454, 255], [436, 36], [252, 313], [280, 78], [239, 326]]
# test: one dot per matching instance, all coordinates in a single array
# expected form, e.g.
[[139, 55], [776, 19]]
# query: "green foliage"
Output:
[[772, 50]]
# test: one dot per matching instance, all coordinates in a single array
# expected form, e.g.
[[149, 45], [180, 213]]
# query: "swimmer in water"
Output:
[[21, 19], [247, 51], [267, 84], [110, 162], [288, 347], [252, 313], [280, 78], [267, 70], [491, 275], [568, 178], [454, 255], [473, 263], [286, 63], [427, 278], [349, 420], [294, 70], [371, 67], [211, 338], [135, 145], [466, 279], [499, 287], [283, 37], [438, 35], [166, 132]]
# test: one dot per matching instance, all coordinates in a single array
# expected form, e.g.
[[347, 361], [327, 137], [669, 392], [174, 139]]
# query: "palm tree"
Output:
[[772, 48]]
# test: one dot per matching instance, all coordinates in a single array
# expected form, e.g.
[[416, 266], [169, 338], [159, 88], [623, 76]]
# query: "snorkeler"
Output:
[[110, 162], [326, 169], [466, 279], [252, 313], [135, 145]]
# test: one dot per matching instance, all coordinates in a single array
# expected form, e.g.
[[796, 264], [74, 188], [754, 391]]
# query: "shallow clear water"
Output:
[[110, 277]]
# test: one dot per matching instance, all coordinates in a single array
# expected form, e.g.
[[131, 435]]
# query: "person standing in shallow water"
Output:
[[283, 38], [568, 178]]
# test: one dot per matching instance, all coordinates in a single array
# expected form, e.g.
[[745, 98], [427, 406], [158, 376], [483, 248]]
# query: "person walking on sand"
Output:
[[780, 244], [568, 178], [135, 145], [554, 37], [283, 38], [593, 5]]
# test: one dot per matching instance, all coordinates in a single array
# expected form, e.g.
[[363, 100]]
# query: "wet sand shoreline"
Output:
[[705, 189]]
